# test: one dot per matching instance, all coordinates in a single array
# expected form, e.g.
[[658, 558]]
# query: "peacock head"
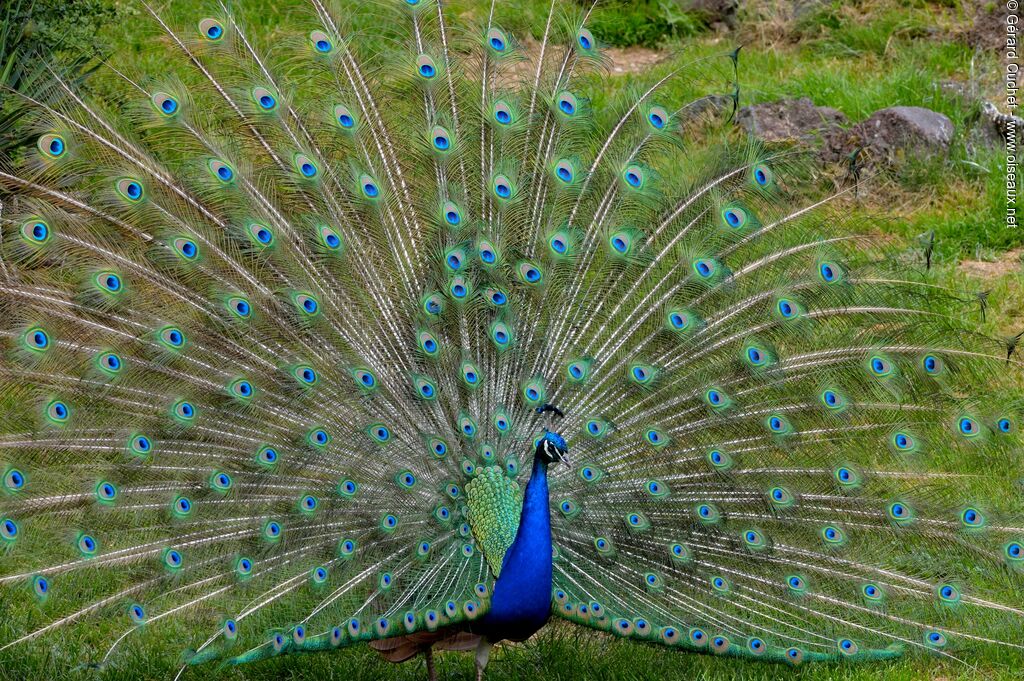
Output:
[[552, 448]]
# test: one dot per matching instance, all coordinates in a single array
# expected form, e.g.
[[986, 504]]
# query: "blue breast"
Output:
[[521, 603]]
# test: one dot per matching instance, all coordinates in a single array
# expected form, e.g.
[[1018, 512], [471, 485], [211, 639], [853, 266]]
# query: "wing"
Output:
[[494, 502]]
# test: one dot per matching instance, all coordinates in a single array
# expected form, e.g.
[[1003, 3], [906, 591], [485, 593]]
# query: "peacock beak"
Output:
[[563, 457]]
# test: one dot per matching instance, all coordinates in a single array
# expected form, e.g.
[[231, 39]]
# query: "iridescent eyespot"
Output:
[[968, 427], [51, 145], [221, 170], [1004, 425], [657, 117], [109, 363], [140, 445], [567, 103], [880, 366], [183, 410], [872, 592], [344, 116], [36, 231], [272, 530], [440, 138], [172, 337], [425, 67], [220, 481], [165, 104], [239, 307], [57, 412], [830, 272], [502, 187], [14, 480], [564, 171], [87, 545], [264, 98], [105, 492], [318, 437], [497, 40], [734, 217], [243, 566], [36, 339], [8, 529], [130, 189], [320, 42], [934, 639], [762, 175], [211, 29], [503, 113], [241, 389], [173, 559], [186, 248], [634, 176], [451, 213], [182, 506], [585, 39]]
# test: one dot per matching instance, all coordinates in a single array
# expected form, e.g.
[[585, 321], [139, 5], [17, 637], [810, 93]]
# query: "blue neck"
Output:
[[521, 602]]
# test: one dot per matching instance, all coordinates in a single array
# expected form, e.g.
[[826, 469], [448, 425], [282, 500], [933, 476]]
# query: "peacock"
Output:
[[385, 332]]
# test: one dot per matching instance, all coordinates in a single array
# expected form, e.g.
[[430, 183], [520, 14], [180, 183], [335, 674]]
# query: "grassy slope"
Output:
[[856, 57]]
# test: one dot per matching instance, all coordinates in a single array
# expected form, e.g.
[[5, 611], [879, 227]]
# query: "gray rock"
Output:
[[788, 120], [896, 131], [890, 135]]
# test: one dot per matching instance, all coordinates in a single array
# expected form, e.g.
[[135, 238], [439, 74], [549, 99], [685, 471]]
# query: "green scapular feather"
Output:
[[282, 334]]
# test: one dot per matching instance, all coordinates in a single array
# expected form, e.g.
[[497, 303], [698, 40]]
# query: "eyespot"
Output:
[[36, 339], [129, 189], [578, 370], [486, 452], [847, 477], [57, 412], [596, 428], [470, 374], [637, 521], [369, 187], [734, 217], [8, 529], [182, 506], [388, 523], [497, 40], [972, 519], [211, 29], [719, 460], [756, 356], [379, 432], [641, 374], [306, 304], [533, 391], [1004, 425], [318, 437], [564, 171], [720, 584], [307, 376], [140, 445], [968, 427], [634, 176], [655, 437], [903, 442], [569, 508], [502, 423], [106, 493], [110, 363], [1013, 551], [585, 40], [833, 400], [184, 410], [707, 513], [137, 614], [438, 448], [794, 656], [14, 480], [221, 170], [348, 488], [705, 268], [272, 530], [261, 235], [267, 456], [308, 504], [243, 566], [504, 115], [35, 231], [789, 309], [241, 389], [934, 639], [753, 539], [459, 287], [172, 337], [567, 103], [172, 559], [762, 175], [778, 424], [657, 117], [220, 481], [186, 248], [467, 425], [502, 187], [948, 593], [604, 546], [87, 545], [899, 513], [405, 479], [796, 584], [424, 388], [432, 304], [452, 214], [425, 67], [833, 536], [52, 145], [264, 99], [321, 42], [780, 497], [239, 307], [305, 165], [830, 272], [345, 117], [880, 366], [621, 243]]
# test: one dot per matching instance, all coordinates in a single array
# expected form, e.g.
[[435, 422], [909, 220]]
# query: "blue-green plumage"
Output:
[[280, 335]]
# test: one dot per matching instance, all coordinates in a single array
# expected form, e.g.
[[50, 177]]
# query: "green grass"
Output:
[[855, 57]]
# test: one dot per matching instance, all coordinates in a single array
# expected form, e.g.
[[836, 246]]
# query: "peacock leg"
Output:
[[483, 654], [431, 671]]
